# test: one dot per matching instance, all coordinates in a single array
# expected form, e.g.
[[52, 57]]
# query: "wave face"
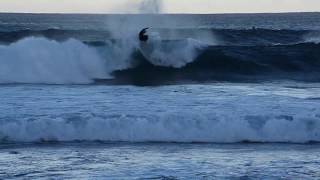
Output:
[[232, 63]]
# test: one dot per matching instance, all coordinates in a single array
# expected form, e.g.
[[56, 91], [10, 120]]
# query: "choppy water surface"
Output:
[[160, 161], [219, 113]]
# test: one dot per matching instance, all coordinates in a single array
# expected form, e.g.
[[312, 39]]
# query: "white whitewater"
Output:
[[39, 60]]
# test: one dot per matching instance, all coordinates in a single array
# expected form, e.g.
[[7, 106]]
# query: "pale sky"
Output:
[[167, 6]]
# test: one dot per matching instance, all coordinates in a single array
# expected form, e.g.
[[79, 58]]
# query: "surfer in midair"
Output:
[[143, 36], [147, 44]]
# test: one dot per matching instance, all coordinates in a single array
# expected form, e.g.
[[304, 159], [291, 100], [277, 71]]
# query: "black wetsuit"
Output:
[[143, 36]]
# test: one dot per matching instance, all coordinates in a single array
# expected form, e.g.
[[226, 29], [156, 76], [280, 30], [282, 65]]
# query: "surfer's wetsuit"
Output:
[[142, 35]]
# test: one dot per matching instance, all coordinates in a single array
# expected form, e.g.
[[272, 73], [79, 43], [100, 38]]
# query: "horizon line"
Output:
[[100, 13]]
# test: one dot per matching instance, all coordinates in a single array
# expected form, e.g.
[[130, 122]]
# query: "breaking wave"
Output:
[[170, 57], [44, 61], [244, 37], [168, 128], [39, 60]]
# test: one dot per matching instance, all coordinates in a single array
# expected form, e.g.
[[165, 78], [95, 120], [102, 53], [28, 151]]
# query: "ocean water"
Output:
[[160, 161], [206, 97]]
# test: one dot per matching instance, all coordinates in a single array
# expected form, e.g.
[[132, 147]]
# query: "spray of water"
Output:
[[159, 52], [150, 6]]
